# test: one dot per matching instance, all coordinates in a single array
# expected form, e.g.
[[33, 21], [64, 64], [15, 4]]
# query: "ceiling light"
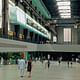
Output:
[[63, 3], [62, 0], [63, 7], [64, 14], [64, 10]]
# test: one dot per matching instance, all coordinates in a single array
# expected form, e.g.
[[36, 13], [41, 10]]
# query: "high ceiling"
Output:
[[75, 8], [53, 7]]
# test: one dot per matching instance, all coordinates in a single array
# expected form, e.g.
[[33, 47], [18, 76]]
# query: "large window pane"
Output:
[[67, 34]]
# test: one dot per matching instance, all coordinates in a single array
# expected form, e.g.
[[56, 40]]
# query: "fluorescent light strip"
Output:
[[58, 0], [64, 10], [63, 3], [64, 7], [65, 16], [62, 0]]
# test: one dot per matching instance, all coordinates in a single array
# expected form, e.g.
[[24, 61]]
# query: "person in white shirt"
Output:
[[2, 60], [45, 63], [22, 66]]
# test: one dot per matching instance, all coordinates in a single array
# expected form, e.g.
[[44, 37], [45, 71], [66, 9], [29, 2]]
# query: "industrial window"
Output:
[[67, 34]]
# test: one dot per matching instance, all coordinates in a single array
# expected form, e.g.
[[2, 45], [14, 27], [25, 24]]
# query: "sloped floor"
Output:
[[55, 72]]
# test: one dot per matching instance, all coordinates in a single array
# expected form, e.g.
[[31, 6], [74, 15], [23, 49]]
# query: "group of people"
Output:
[[69, 64], [22, 65], [27, 65]]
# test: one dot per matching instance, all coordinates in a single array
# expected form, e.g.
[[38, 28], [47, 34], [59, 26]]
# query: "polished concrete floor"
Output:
[[56, 72]]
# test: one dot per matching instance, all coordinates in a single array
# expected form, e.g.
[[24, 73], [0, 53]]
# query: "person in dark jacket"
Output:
[[48, 63], [29, 67]]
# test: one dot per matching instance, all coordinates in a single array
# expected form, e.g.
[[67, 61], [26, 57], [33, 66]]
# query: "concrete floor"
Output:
[[56, 72]]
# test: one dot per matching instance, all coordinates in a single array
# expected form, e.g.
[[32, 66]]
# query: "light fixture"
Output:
[[64, 8], [63, 3], [65, 14], [64, 11]]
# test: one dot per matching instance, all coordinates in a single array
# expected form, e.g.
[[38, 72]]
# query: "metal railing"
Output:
[[23, 40]]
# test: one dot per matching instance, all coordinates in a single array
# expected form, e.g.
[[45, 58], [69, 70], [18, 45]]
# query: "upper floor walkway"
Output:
[[7, 45]]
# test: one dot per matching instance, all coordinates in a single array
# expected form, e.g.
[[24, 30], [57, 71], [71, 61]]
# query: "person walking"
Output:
[[68, 63], [2, 61], [71, 64], [59, 61], [48, 63], [21, 66], [29, 67]]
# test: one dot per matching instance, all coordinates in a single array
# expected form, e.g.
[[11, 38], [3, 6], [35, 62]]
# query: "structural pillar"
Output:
[[26, 57], [33, 39], [17, 31], [5, 16], [38, 39], [28, 35], [25, 34]]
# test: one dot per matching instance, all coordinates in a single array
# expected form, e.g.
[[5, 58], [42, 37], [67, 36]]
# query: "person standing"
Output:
[[59, 61], [68, 63], [48, 63], [2, 60], [71, 64], [29, 67], [21, 66]]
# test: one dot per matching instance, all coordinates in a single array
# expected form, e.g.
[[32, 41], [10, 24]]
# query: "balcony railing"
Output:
[[23, 40]]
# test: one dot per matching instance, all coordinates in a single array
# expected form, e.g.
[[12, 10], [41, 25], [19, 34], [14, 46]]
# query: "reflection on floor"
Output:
[[56, 72]]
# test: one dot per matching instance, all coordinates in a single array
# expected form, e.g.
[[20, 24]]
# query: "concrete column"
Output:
[[52, 36], [38, 39], [28, 35], [25, 34], [41, 40], [33, 37], [78, 35], [17, 30], [5, 16], [26, 55]]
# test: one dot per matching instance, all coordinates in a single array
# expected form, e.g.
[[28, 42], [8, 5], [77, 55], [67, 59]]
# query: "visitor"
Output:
[[21, 66], [29, 67]]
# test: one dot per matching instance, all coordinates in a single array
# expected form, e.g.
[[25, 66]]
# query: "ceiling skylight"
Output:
[[64, 7], [63, 3], [64, 14], [65, 11]]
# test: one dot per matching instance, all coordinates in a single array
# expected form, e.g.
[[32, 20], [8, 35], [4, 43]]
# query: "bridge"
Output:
[[7, 45]]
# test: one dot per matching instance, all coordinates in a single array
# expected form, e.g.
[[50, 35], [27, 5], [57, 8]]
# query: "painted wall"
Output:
[[78, 32], [74, 35], [60, 35]]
